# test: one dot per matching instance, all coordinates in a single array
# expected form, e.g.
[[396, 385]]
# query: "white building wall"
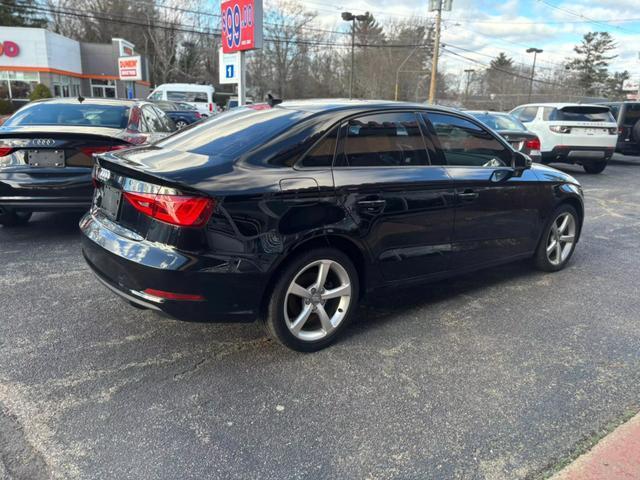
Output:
[[41, 49]]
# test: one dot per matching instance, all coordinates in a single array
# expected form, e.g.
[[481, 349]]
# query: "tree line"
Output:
[[302, 60]]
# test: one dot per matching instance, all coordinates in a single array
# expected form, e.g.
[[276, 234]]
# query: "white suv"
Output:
[[572, 132]]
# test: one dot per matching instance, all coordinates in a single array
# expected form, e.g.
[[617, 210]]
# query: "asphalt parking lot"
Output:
[[502, 374]]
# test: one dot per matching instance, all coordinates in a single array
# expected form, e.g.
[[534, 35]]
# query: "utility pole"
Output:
[[469, 72], [350, 17], [437, 6], [535, 52]]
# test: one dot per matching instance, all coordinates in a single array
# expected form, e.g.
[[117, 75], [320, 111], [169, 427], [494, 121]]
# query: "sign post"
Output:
[[241, 31]]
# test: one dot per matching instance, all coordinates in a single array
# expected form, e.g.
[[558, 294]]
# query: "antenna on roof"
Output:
[[273, 101], [80, 98]]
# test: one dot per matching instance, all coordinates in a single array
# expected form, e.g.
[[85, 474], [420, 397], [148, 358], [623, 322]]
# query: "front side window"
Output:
[[528, 114], [463, 143], [196, 97], [383, 140]]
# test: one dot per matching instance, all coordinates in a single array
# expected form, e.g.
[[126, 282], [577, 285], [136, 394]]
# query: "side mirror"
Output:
[[521, 162]]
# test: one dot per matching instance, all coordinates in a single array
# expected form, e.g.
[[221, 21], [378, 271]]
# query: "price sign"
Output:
[[241, 25]]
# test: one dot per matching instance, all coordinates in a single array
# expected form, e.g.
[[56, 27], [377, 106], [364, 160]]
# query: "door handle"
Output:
[[372, 206], [468, 195]]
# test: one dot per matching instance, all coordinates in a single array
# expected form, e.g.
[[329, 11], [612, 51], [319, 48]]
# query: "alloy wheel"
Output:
[[180, 124], [317, 300], [562, 237]]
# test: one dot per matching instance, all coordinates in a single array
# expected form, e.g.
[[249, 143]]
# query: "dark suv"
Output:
[[627, 114]]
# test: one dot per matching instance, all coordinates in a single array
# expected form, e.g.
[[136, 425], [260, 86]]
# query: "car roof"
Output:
[[559, 105], [90, 100], [487, 112], [186, 86], [337, 104]]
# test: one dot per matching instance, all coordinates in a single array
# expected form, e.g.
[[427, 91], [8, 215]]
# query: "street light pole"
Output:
[[535, 52], [350, 17]]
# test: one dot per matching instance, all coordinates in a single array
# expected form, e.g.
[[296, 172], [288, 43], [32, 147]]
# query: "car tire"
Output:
[[558, 240], [595, 167], [11, 218], [306, 313], [635, 132], [180, 124]]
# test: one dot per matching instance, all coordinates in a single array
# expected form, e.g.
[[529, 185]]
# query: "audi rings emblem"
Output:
[[42, 142]]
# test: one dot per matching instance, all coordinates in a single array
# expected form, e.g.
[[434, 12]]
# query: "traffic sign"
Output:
[[229, 67]]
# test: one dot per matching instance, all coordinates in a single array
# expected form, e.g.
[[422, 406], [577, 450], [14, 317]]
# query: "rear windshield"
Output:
[[84, 115], [582, 114], [196, 97], [500, 122], [232, 133]]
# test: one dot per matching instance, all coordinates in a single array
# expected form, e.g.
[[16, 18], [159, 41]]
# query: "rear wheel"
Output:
[[595, 167], [11, 218], [558, 240], [313, 300]]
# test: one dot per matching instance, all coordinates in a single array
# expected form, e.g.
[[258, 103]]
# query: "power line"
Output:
[[587, 19]]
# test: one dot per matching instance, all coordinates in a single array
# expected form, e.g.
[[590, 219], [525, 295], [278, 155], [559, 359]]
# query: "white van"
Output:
[[572, 132], [200, 96]]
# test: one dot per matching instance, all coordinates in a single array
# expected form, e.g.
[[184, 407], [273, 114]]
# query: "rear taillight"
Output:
[[560, 129], [4, 151], [180, 210], [88, 151], [197, 114], [211, 107], [533, 144]]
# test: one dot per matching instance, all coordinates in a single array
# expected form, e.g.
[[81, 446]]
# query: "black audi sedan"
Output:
[[292, 214], [46, 150]]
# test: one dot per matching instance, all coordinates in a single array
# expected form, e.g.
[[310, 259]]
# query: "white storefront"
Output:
[[69, 68]]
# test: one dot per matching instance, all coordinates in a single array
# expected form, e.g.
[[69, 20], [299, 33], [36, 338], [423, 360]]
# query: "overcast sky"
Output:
[[489, 27]]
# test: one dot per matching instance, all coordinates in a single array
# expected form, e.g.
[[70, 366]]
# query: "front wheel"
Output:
[[11, 218], [595, 167], [558, 240], [180, 124], [313, 300]]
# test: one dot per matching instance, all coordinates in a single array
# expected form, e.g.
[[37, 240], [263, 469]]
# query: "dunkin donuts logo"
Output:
[[9, 48]]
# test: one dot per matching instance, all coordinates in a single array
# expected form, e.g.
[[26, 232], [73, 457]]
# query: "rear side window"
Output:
[[321, 155], [631, 114], [383, 140], [582, 114], [463, 143], [196, 97], [84, 115]]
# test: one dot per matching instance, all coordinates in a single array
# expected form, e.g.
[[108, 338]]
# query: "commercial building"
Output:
[[69, 68]]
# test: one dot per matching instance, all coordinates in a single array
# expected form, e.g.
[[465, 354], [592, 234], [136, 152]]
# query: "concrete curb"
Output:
[[615, 457]]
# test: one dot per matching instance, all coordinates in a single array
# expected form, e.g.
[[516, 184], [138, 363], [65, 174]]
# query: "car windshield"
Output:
[[500, 121], [230, 134], [83, 115], [582, 114]]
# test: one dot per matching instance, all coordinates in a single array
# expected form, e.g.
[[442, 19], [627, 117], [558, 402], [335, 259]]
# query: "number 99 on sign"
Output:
[[234, 20]]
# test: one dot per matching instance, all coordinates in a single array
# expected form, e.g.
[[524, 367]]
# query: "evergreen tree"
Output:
[[592, 61]]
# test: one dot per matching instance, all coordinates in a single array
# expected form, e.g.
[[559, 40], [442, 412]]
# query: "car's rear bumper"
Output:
[[46, 190], [231, 289], [577, 154]]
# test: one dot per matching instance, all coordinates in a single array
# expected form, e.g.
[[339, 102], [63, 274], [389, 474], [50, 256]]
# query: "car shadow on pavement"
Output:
[[376, 311], [49, 225]]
